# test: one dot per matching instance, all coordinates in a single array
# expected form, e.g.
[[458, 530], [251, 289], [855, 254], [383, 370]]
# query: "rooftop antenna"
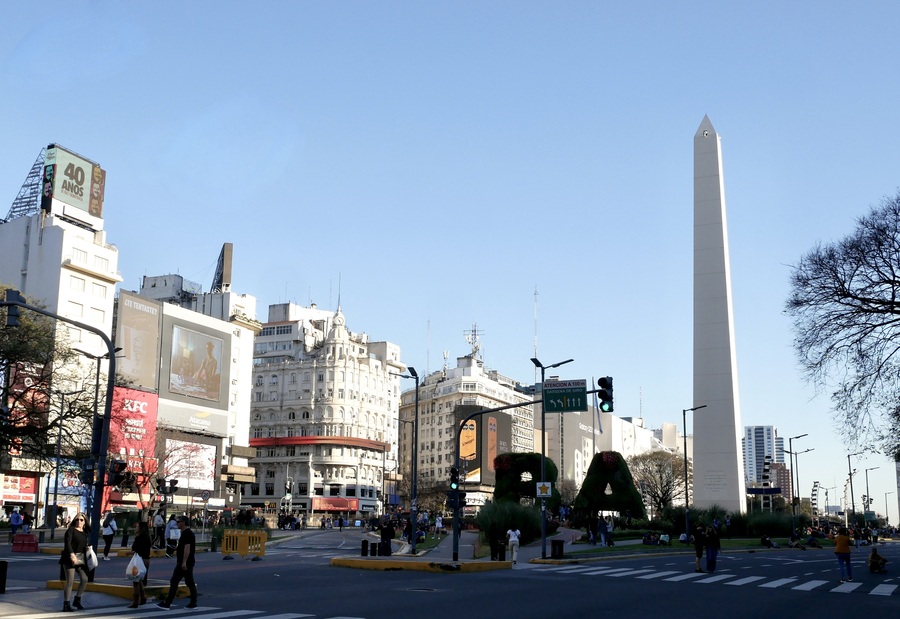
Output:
[[339, 292], [28, 202], [474, 340]]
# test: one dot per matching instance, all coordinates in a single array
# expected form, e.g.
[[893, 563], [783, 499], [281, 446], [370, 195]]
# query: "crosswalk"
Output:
[[203, 612], [724, 578]]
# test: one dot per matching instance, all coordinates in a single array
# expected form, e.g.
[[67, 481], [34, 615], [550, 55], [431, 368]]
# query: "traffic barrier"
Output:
[[25, 542], [242, 542]]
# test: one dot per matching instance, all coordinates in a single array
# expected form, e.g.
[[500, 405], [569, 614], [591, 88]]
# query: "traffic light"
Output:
[[462, 499], [161, 485], [605, 394], [173, 486], [87, 472], [451, 499], [454, 478], [12, 311], [116, 474]]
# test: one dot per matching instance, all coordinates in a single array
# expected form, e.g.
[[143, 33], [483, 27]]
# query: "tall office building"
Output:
[[759, 442]]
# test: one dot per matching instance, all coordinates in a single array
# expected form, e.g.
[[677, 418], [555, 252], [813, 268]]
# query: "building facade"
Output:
[[759, 442], [323, 415]]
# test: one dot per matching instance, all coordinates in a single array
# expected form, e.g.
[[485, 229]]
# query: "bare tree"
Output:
[[659, 476], [567, 491], [845, 304]]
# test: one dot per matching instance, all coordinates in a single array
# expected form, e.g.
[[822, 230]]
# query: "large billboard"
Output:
[[195, 365], [192, 464], [137, 334], [132, 430], [77, 183], [580, 439], [482, 439]]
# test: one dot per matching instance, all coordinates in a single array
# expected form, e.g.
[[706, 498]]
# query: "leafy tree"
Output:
[[608, 486], [845, 306], [660, 477]]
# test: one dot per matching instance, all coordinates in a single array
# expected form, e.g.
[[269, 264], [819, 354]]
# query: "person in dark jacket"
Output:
[[699, 540], [75, 545], [141, 547]]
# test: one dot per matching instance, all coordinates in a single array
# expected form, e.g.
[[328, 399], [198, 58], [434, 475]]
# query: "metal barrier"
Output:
[[242, 542]]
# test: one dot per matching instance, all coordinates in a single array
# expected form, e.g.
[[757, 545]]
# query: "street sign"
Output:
[[565, 396], [544, 490]]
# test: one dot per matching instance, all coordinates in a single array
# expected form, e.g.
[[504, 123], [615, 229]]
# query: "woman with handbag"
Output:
[[141, 547], [172, 535], [109, 532], [73, 559]]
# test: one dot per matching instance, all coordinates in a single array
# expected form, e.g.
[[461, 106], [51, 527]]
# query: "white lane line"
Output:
[[809, 586]]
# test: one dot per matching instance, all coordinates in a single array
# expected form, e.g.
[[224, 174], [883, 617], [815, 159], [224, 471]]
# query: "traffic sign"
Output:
[[544, 490], [564, 396]]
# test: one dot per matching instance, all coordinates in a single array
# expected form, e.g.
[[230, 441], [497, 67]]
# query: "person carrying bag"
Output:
[[139, 565]]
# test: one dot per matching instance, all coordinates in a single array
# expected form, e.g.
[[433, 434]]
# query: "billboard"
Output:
[[481, 440], [192, 464], [580, 440], [137, 334], [132, 430], [79, 184], [18, 488], [195, 365]]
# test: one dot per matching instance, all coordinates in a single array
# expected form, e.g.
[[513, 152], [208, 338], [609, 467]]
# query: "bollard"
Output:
[[373, 550], [3, 568], [364, 551], [213, 544], [40, 537]]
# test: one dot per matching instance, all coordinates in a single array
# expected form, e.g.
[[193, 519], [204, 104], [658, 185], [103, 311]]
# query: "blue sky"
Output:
[[443, 160]]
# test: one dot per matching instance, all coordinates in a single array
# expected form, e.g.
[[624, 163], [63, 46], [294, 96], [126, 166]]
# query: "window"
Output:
[[292, 416], [257, 432], [334, 490], [98, 315], [259, 381], [270, 474], [75, 310], [270, 452], [258, 396], [254, 489], [302, 488], [291, 450], [270, 489], [76, 283], [98, 290], [273, 396], [101, 263], [79, 255], [274, 379]]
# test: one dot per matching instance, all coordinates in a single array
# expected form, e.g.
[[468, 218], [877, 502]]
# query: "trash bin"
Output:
[[557, 548], [364, 552], [501, 551]]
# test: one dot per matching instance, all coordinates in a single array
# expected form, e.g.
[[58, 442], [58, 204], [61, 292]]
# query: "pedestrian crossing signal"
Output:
[[454, 478]]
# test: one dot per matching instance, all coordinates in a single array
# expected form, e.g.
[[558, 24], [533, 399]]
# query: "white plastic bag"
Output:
[[91, 558], [136, 569]]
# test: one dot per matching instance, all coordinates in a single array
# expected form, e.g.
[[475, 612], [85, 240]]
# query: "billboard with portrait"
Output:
[[195, 364], [76, 183], [137, 334]]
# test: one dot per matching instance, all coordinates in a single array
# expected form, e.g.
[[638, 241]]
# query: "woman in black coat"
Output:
[[75, 545], [141, 547]]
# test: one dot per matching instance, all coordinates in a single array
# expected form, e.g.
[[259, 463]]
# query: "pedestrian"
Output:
[[876, 562], [512, 537], [141, 546], [842, 552], [184, 565], [610, 525], [72, 559], [15, 521], [159, 530], [109, 532], [699, 540], [172, 535], [494, 541], [438, 525], [387, 534], [604, 531], [713, 544], [27, 521]]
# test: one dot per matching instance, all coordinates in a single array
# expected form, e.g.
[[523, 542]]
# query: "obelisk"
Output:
[[718, 457]]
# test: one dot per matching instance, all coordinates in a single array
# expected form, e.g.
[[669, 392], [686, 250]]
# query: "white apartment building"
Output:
[[55, 251], [440, 393], [757, 443], [323, 415]]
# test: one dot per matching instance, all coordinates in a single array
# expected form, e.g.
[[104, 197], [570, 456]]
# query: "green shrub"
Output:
[[505, 515]]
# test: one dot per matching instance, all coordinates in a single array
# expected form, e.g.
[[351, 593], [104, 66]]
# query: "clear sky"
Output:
[[444, 160]]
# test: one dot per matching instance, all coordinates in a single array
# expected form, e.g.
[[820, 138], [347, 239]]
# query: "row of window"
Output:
[[79, 256], [277, 330], [333, 490]]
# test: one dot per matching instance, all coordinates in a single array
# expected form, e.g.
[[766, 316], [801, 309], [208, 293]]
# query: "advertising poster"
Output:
[[74, 181], [192, 464], [132, 431], [195, 365], [481, 440], [137, 334], [18, 489]]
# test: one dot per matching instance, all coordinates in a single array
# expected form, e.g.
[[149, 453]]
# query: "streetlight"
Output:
[[790, 450], [687, 517], [868, 500], [850, 471], [544, 368], [62, 406], [414, 507], [886, 509]]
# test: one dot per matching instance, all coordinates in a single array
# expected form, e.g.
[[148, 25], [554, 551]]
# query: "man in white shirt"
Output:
[[159, 525], [438, 525], [512, 536]]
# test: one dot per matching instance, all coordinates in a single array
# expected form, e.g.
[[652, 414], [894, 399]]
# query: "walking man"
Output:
[[184, 564]]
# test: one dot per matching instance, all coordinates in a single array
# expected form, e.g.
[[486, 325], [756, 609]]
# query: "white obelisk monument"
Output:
[[718, 456]]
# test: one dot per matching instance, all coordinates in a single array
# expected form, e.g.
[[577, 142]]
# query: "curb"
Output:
[[123, 591]]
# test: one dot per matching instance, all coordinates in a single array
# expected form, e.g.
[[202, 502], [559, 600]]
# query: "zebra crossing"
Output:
[[724, 578], [203, 612]]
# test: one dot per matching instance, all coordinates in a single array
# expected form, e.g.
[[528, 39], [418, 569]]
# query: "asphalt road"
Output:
[[296, 580]]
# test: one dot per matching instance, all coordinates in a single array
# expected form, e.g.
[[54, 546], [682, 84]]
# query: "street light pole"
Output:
[[687, 517], [414, 501], [850, 471], [868, 496], [886, 510], [793, 504], [62, 406], [544, 368]]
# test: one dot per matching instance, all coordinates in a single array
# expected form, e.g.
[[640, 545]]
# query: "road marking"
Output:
[[809, 586], [716, 578], [631, 573], [686, 576], [777, 583], [883, 590], [846, 587], [746, 580], [658, 575]]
